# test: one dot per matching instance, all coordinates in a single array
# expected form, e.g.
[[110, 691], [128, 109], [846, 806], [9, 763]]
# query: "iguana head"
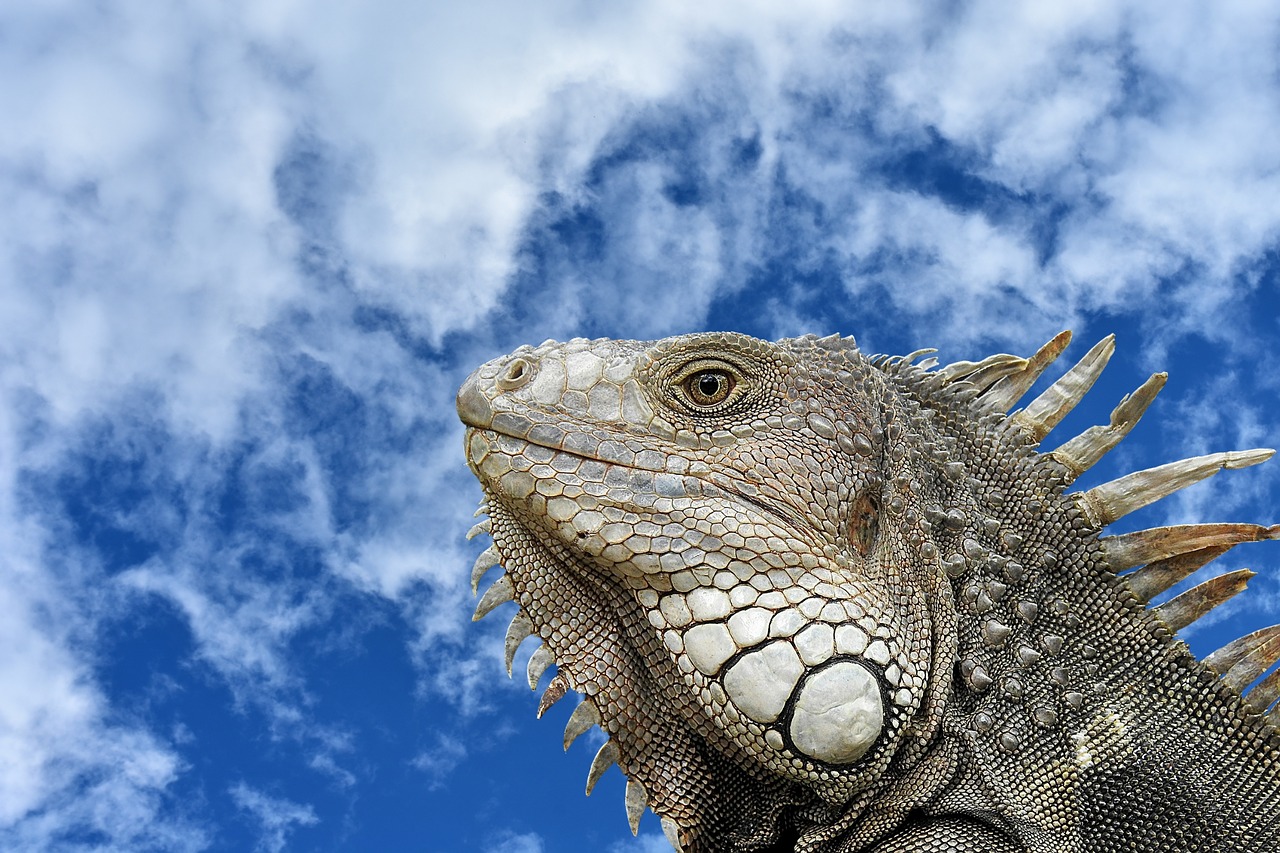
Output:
[[777, 571], [707, 534]]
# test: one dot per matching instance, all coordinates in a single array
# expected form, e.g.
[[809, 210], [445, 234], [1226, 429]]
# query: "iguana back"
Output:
[[829, 603]]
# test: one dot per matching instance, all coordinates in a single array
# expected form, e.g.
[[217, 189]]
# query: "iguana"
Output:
[[820, 601]]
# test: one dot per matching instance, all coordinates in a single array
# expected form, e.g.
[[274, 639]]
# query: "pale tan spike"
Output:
[[964, 369], [1265, 693], [1154, 578], [583, 717], [1157, 543], [1242, 661], [488, 558], [1009, 390], [990, 374], [956, 369], [519, 628], [637, 800], [1081, 453], [555, 691], [1046, 411], [912, 356], [500, 593], [605, 758], [1247, 671], [1181, 611], [1235, 651], [671, 830], [1110, 501], [479, 527], [928, 364], [538, 664]]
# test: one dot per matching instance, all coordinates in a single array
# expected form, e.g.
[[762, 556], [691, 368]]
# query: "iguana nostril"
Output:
[[516, 375]]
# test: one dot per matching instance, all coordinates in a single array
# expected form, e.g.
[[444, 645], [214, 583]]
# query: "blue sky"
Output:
[[250, 250]]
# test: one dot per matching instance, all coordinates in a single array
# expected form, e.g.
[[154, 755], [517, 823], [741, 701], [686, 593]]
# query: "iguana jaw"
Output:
[[606, 651], [671, 593]]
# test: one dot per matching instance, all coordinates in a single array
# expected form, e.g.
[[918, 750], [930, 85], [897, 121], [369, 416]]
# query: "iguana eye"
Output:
[[709, 387]]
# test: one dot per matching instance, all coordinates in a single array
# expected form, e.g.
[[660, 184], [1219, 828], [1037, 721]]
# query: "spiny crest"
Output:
[[1154, 559]]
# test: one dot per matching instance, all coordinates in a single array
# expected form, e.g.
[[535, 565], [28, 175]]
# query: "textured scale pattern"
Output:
[[826, 602]]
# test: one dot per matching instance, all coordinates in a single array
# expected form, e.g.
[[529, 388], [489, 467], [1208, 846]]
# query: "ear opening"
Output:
[[864, 524]]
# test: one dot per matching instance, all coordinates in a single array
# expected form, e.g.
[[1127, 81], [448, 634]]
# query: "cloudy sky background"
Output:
[[249, 250]]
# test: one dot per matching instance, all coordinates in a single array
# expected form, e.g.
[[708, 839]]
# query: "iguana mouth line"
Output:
[[733, 487], [793, 522]]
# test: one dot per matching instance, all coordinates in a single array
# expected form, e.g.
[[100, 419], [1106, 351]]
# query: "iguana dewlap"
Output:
[[824, 602]]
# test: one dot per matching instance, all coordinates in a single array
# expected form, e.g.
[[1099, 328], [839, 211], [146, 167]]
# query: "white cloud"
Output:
[[439, 761], [243, 641], [508, 841], [127, 190], [983, 67], [69, 767], [961, 268], [277, 817], [448, 147]]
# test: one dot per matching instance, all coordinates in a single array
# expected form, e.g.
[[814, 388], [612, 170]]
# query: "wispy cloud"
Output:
[[440, 760], [511, 842], [73, 768], [277, 817]]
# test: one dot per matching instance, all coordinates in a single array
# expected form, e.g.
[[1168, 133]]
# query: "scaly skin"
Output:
[[825, 603]]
